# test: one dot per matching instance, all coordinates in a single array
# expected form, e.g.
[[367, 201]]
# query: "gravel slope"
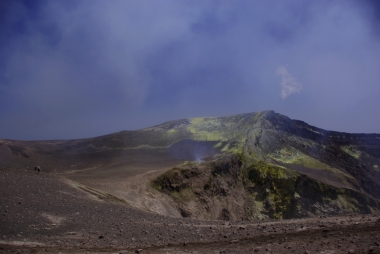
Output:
[[42, 213]]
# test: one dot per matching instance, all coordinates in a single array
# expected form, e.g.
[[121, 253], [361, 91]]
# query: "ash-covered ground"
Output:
[[43, 213]]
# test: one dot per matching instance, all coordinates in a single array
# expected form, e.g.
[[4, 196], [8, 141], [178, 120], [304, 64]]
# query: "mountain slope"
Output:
[[245, 166]]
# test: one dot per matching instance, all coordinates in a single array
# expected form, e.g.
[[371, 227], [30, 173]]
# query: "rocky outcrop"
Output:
[[230, 189]]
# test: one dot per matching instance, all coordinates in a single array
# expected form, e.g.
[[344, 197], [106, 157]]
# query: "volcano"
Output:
[[247, 166]]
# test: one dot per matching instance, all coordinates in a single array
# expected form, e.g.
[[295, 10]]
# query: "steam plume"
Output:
[[289, 84]]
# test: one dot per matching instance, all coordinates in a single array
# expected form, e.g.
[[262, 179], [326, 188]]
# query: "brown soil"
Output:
[[47, 213]]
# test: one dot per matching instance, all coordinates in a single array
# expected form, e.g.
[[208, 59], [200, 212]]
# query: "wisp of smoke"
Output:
[[289, 84], [198, 158], [192, 150]]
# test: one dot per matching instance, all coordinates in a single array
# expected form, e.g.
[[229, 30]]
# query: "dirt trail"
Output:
[[133, 188]]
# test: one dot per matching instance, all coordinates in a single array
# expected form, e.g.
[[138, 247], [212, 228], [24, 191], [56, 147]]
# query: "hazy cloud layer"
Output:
[[72, 69]]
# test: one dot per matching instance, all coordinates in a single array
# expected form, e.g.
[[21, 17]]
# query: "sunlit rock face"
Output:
[[256, 165]]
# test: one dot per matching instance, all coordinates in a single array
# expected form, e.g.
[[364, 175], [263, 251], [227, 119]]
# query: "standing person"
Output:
[[37, 169]]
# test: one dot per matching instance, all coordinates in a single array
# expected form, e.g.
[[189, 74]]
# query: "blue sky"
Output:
[[84, 68]]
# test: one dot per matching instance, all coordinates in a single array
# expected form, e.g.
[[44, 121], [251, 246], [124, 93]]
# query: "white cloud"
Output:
[[289, 84]]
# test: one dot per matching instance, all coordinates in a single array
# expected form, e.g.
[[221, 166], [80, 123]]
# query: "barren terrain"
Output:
[[45, 213], [249, 183]]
